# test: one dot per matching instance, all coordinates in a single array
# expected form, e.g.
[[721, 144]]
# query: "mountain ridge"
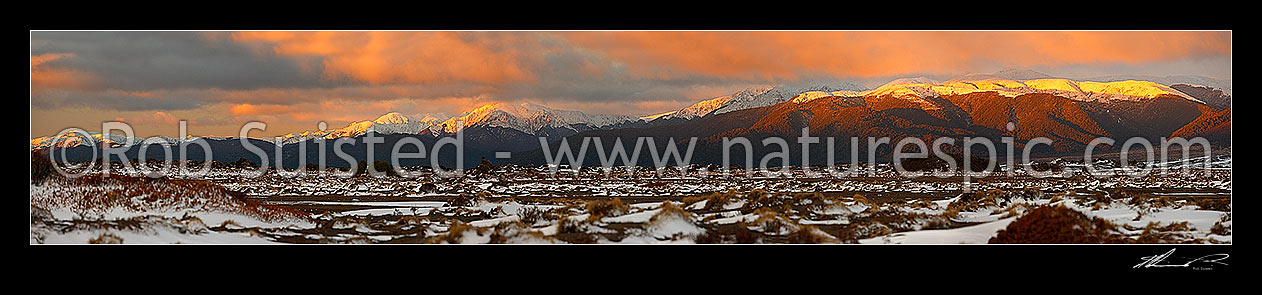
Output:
[[1070, 112]]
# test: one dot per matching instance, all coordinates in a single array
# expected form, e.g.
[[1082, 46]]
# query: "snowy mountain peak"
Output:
[[757, 97], [908, 81], [531, 118], [918, 89], [392, 118]]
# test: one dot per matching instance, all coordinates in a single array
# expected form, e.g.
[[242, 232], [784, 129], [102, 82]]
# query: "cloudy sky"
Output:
[[292, 80]]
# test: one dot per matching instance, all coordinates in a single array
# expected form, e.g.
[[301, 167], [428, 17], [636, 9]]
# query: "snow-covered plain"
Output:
[[474, 209], [514, 204]]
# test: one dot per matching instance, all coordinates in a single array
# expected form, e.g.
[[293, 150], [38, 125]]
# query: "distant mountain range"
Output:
[[1071, 112]]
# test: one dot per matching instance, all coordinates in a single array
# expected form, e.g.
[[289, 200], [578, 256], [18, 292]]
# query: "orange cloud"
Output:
[[155, 118], [407, 57], [44, 77], [757, 55], [251, 109]]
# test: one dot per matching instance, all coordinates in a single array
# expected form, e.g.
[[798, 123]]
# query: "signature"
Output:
[[1160, 260]]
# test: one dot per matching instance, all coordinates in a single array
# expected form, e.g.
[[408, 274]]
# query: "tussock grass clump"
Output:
[[600, 208], [1014, 210], [567, 225], [517, 233], [1099, 206], [409, 220], [1149, 201], [1223, 226], [41, 167], [230, 222], [771, 222], [191, 225], [1057, 198], [1173, 233], [455, 233], [427, 188], [106, 238], [694, 199], [41, 215], [672, 222], [532, 215], [861, 199], [898, 221], [860, 231], [971, 202], [738, 234], [811, 201], [1058, 225], [922, 204], [1096, 201], [714, 201], [574, 230], [466, 200], [670, 210], [1215, 204], [771, 201], [807, 234]]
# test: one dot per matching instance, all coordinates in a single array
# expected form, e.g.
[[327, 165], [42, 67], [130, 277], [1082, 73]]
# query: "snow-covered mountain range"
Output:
[[530, 118], [537, 120], [919, 88], [751, 98]]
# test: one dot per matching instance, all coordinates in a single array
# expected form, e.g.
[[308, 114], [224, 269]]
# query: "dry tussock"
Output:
[[600, 208], [1058, 225], [106, 238]]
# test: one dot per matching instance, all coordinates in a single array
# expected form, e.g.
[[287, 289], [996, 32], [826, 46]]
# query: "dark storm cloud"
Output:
[[115, 100], [173, 60]]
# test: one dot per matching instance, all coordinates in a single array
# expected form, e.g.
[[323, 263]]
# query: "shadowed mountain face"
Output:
[[1211, 96], [1215, 126], [1070, 124]]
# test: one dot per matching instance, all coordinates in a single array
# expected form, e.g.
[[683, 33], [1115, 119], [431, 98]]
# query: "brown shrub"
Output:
[[455, 233], [714, 201], [669, 209], [574, 231], [507, 231], [1149, 201], [41, 167], [569, 225], [106, 238], [1175, 232], [466, 200], [1222, 229], [767, 201], [771, 222], [738, 234], [808, 235], [861, 199], [1058, 225], [811, 201], [975, 201], [859, 231], [531, 215], [409, 219], [599, 208], [1215, 204]]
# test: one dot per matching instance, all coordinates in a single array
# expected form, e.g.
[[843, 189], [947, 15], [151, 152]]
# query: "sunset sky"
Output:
[[292, 80]]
